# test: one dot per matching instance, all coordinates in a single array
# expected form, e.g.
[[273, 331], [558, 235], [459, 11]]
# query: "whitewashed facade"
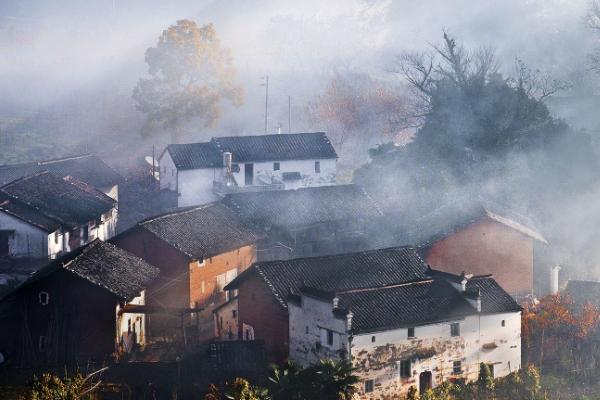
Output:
[[389, 362]]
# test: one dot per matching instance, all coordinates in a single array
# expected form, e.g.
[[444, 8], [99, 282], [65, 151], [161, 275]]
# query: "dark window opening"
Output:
[[86, 233], [234, 313], [330, 338], [372, 339], [455, 329], [457, 367], [405, 371], [4, 237], [411, 333], [369, 386], [503, 323], [276, 166], [56, 237], [248, 174], [491, 367], [307, 330], [318, 167], [44, 298]]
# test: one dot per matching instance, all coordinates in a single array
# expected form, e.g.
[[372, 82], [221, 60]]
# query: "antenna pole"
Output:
[[289, 114], [266, 102]]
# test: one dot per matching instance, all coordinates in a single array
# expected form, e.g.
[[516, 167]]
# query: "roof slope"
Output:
[[49, 202], [373, 268], [290, 146], [201, 231], [458, 214], [195, 155], [304, 206], [106, 266], [87, 168]]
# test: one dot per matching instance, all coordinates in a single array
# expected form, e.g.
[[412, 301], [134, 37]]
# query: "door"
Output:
[[424, 381], [248, 174]]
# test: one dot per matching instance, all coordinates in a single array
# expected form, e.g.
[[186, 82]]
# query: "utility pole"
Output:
[[289, 114], [266, 84]]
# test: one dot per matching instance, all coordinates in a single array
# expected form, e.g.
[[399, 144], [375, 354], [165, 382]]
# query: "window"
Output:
[[86, 233], [235, 168], [329, 337], [369, 386], [405, 371], [411, 333], [234, 313], [42, 343], [455, 329], [4, 239], [56, 237], [503, 323], [457, 367], [44, 298], [307, 331], [372, 339], [276, 166], [317, 167]]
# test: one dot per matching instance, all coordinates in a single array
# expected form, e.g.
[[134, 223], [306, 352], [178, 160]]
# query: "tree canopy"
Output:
[[191, 75]]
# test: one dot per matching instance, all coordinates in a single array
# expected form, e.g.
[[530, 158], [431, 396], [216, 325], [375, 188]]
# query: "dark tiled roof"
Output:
[[87, 168], [583, 292], [201, 231], [458, 214], [306, 206], [494, 299], [292, 146], [48, 202], [195, 155], [373, 268], [105, 266]]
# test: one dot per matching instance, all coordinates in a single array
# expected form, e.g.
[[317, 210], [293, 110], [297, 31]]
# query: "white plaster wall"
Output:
[[196, 187], [56, 243], [112, 192], [138, 321], [308, 325], [377, 360], [107, 228], [27, 241], [306, 168], [229, 323], [167, 172]]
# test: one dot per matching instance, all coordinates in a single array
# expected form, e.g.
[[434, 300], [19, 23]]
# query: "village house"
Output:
[[480, 238], [73, 310], [399, 322], [198, 250], [203, 172], [311, 221], [43, 216], [420, 333], [86, 168]]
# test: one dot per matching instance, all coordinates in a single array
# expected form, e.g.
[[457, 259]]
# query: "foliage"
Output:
[[53, 387], [190, 75], [240, 389]]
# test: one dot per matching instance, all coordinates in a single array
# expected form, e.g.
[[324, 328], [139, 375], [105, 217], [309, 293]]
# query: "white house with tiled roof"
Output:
[[203, 172]]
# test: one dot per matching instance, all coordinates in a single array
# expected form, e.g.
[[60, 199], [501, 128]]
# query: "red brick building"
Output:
[[481, 239], [198, 251]]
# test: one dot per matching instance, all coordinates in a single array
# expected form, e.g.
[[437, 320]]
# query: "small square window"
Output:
[[44, 298], [56, 237], [307, 331], [369, 386], [405, 371], [86, 233], [455, 329], [330, 338], [457, 367], [234, 313], [411, 333], [372, 339], [276, 166], [503, 323], [317, 167]]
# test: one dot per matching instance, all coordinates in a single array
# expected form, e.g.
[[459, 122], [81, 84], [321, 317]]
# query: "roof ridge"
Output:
[[178, 211], [271, 134], [392, 286], [51, 161]]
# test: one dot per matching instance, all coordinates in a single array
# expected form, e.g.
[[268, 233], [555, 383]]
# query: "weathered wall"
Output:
[[27, 240], [309, 323], [306, 168], [269, 320], [435, 350], [488, 247], [226, 321]]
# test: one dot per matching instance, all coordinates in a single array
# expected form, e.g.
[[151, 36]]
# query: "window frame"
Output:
[[455, 329], [276, 166], [405, 369], [457, 367], [408, 331], [317, 167], [369, 386], [329, 337], [46, 301]]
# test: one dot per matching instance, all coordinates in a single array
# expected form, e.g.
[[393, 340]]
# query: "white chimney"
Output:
[[336, 302], [554, 279], [478, 301], [349, 317], [227, 158]]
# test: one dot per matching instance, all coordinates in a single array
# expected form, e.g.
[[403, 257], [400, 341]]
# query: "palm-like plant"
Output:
[[333, 380]]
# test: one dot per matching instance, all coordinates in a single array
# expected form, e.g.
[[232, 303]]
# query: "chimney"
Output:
[[463, 282], [336, 302], [554, 279], [478, 301], [227, 158], [349, 317], [279, 129]]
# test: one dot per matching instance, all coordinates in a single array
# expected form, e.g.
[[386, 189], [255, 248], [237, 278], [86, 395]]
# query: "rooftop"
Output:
[[304, 206], [105, 266], [583, 292], [201, 231], [49, 202], [252, 148], [87, 168]]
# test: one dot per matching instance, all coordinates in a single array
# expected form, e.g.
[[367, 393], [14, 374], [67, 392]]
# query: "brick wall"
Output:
[[487, 247], [258, 308]]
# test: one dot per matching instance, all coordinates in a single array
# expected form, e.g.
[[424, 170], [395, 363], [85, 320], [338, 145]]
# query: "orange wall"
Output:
[[239, 259], [487, 247]]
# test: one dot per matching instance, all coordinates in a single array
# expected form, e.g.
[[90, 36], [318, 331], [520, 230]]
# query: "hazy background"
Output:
[[73, 63]]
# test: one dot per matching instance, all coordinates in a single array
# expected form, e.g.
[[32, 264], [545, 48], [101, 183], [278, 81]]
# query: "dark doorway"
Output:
[[249, 174], [424, 381], [4, 237]]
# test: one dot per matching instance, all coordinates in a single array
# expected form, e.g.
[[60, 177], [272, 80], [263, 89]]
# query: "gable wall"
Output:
[[27, 241], [487, 247]]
